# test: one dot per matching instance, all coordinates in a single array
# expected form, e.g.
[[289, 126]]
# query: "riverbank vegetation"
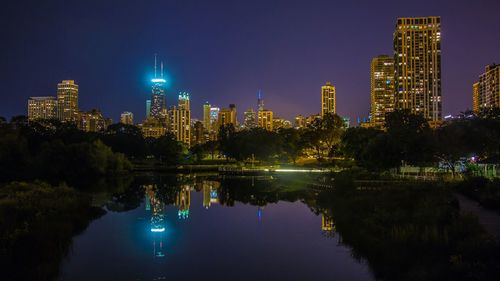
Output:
[[37, 223]]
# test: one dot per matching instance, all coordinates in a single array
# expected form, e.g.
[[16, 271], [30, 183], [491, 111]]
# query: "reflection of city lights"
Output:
[[158, 229], [184, 214]]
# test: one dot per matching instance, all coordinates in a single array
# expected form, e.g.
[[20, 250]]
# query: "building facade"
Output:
[[42, 108], [127, 118], [382, 88], [265, 119], [92, 121], [158, 98], [486, 92], [227, 116], [328, 99], [67, 101], [180, 119], [250, 119], [206, 116], [417, 63]]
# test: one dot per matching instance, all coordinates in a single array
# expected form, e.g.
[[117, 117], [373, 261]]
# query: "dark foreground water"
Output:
[[197, 229]]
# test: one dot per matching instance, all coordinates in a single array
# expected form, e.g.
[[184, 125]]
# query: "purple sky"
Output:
[[224, 51]]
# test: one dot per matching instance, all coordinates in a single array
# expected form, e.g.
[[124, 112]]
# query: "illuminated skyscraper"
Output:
[[127, 118], [260, 101], [214, 115], [328, 99], [180, 119], [486, 92], [206, 116], [265, 119], [42, 108], [250, 119], [382, 88], [67, 101], [158, 99], [417, 62]]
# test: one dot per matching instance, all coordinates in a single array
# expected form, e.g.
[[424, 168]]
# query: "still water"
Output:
[[197, 228]]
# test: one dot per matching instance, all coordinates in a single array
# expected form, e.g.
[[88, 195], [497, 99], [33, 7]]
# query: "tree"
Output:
[[323, 134], [292, 143]]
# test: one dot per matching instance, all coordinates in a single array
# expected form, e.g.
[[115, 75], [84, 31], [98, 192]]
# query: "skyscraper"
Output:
[[180, 119], [486, 92], [148, 108], [158, 99], [227, 116], [266, 119], [417, 62], [127, 118], [42, 108], [328, 99], [382, 88], [206, 116], [250, 119], [67, 101]]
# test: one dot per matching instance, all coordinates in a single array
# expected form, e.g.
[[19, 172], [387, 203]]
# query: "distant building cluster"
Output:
[[64, 107], [409, 79]]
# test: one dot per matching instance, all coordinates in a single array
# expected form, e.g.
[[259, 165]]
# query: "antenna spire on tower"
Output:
[[161, 66]]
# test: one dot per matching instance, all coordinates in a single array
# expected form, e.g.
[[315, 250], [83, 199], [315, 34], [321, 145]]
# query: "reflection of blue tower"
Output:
[[157, 222], [183, 202], [259, 214]]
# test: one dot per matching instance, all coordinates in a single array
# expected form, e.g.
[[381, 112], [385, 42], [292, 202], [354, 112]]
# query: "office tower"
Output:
[[250, 119], [67, 101], [148, 108], [486, 92], [260, 101], [180, 119], [127, 118], [42, 108], [266, 119], [328, 99], [92, 121], [158, 99], [206, 116], [417, 62], [382, 88]]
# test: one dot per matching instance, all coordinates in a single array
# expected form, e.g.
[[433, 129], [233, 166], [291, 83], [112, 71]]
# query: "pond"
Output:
[[208, 228]]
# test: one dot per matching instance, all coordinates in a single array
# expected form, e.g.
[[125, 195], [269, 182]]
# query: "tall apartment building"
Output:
[[486, 92], [328, 99], [180, 119], [382, 88], [417, 62], [67, 101], [42, 108], [227, 116], [265, 119]]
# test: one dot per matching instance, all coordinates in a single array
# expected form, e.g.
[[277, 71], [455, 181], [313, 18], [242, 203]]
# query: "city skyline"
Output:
[[289, 74]]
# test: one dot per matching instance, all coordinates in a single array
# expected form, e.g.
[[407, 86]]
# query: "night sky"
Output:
[[224, 51]]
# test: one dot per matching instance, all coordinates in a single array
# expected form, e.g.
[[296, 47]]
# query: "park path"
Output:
[[490, 220]]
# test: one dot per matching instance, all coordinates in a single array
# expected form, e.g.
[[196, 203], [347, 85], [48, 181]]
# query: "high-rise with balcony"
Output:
[[486, 92], [417, 62], [328, 99], [382, 88], [67, 101], [42, 108]]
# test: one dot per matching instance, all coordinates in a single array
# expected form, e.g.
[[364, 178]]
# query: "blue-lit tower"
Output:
[[158, 98], [260, 101]]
